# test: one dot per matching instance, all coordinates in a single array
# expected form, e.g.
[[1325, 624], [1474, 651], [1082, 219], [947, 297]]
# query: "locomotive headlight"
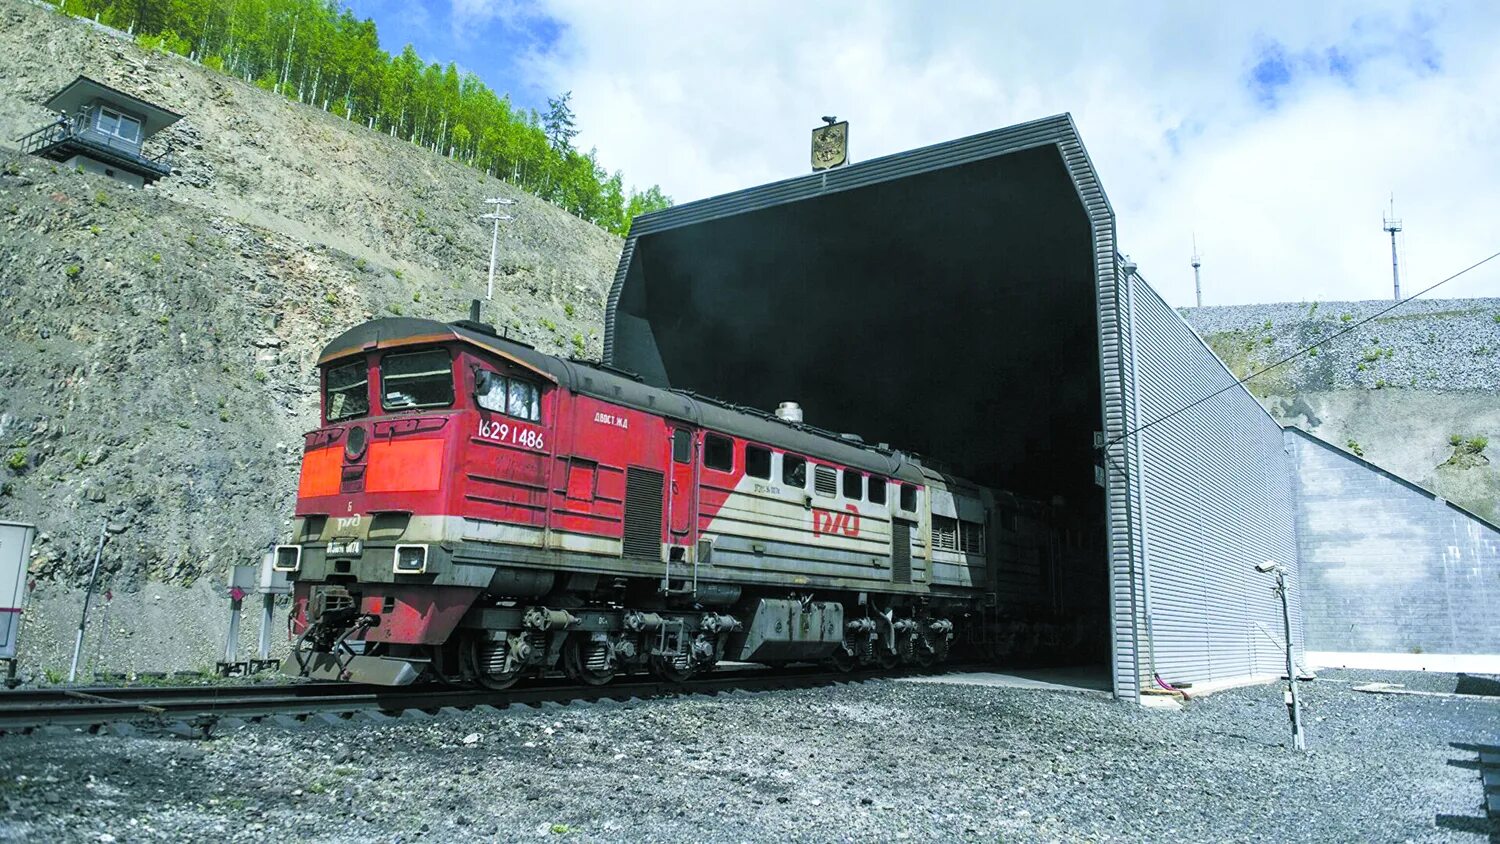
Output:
[[288, 558], [411, 559], [354, 446]]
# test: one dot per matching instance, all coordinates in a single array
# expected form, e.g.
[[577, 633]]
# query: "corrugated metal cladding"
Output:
[[1191, 503], [1212, 495]]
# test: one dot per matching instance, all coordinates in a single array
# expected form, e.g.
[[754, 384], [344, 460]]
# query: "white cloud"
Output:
[[1285, 201]]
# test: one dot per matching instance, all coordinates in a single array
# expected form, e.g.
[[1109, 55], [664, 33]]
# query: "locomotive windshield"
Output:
[[347, 391], [416, 379]]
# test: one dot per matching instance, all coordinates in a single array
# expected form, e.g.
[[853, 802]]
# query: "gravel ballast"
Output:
[[877, 761]]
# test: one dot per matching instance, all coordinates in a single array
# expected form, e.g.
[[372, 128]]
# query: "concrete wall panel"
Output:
[[1388, 567]]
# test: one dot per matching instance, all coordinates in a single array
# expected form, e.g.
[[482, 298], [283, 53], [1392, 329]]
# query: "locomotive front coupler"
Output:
[[329, 633]]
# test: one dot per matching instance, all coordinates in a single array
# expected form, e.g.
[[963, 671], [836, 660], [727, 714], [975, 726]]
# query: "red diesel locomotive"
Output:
[[472, 510]]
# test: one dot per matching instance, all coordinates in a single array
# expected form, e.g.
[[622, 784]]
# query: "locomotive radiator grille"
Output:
[[825, 481], [643, 500], [900, 551]]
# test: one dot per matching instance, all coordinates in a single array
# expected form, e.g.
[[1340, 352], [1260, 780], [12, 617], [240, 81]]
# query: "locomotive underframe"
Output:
[[628, 615]]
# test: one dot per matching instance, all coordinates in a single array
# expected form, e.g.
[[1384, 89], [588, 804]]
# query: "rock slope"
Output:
[[269, 161]]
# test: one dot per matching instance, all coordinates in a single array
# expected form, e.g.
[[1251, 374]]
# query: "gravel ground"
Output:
[[877, 761]]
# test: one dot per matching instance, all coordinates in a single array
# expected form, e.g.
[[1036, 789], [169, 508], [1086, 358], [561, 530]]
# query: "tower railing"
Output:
[[76, 130]]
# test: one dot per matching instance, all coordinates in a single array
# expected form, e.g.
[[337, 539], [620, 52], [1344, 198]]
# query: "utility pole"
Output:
[[1197, 277], [498, 218], [1393, 225]]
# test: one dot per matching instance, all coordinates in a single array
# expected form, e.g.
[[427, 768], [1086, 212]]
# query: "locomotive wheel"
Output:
[[908, 648], [939, 652], [665, 668], [843, 660], [577, 653], [478, 656], [923, 655], [447, 666], [886, 658]]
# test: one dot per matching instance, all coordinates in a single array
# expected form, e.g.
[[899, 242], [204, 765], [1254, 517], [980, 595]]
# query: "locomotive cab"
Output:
[[377, 586]]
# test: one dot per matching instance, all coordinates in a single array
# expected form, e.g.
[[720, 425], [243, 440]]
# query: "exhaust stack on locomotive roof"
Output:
[[789, 411]]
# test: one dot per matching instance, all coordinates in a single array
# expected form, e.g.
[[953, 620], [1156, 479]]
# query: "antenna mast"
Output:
[[1393, 225], [497, 218], [1197, 277]]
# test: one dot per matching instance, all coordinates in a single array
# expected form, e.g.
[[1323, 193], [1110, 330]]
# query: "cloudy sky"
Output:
[[1276, 133]]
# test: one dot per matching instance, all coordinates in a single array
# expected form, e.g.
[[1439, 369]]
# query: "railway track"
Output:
[[198, 710]]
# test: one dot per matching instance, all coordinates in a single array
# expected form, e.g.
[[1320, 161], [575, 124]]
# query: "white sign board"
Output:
[[15, 553], [273, 582], [241, 581]]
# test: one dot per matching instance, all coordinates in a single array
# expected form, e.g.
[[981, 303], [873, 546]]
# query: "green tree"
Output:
[[559, 122]]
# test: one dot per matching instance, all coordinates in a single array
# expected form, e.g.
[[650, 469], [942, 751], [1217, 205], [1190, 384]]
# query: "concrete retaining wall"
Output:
[[1388, 567]]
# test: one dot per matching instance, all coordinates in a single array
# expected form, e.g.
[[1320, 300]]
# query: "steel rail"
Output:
[[200, 708]]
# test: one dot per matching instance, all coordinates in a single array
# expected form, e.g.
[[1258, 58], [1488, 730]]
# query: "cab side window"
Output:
[[908, 498], [511, 396], [682, 445], [758, 462], [718, 453], [853, 483], [794, 471]]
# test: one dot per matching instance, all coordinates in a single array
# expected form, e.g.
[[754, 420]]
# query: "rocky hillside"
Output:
[[156, 346], [1416, 391], [268, 161]]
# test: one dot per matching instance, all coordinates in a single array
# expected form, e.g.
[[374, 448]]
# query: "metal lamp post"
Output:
[[1293, 701], [87, 599], [498, 218]]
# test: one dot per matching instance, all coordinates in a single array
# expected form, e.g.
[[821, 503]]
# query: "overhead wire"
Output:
[[1299, 353]]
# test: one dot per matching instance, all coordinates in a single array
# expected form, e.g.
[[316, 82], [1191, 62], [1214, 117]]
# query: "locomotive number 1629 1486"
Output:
[[505, 432]]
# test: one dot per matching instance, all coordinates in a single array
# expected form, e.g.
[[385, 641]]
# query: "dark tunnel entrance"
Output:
[[948, 311]]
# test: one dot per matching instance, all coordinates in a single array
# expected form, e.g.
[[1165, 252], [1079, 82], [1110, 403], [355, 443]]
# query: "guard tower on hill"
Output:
[[102, 130]]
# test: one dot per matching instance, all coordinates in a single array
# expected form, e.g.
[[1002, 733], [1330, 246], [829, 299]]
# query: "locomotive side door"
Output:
[[683, 488]]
